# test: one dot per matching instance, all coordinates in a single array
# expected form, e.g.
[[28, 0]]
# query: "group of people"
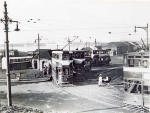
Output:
[[102, 81], [47, 70]]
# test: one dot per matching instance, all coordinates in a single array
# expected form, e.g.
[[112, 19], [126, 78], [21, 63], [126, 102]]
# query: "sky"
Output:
[[56, 20]]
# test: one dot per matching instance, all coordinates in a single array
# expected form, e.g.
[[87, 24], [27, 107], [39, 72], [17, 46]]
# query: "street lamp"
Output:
[[6, 21], [146, 29]]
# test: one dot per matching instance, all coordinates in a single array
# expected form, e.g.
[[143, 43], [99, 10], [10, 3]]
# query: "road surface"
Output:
[[84, 97]]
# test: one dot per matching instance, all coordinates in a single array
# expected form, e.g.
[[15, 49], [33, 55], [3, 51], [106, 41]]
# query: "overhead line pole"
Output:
[[38, 39], [7, 57], [6, 20], [39, 49]]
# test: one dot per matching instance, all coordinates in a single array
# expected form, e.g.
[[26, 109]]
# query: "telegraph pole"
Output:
[[57, 46], [95, 43], [39, 49], [69, 43]]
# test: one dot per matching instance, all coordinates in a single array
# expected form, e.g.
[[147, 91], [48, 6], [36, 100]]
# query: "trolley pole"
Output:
[[95, 42], [146, 29]]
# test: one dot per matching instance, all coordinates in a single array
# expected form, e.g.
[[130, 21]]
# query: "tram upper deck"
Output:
[[138, 63], [63, 57], [136, 71]]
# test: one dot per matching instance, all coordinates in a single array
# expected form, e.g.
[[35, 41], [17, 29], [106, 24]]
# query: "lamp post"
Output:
[[146, 29], [6, 21]]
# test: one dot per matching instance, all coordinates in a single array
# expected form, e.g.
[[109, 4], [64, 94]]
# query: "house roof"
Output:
[[44, 54], [120, 44]]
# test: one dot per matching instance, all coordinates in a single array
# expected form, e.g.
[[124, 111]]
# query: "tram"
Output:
[[20, 67], [18, 63], [136, 77], [100, 57], [81, 61], [62, 69]]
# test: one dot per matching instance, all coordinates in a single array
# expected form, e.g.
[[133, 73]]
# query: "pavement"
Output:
[[23, 81]]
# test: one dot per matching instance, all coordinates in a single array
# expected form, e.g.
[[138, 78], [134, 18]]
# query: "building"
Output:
[[45, 59], [119, 48]]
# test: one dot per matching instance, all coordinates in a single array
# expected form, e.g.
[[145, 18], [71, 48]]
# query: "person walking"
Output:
[[100, 80]]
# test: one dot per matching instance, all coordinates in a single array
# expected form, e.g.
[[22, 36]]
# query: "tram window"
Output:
[[95, 52], [136, 62], [57, 56], [65, 57], [82, 55], [131, 62], [137, 56], [130, 56], [70, 57], [146, 56], [145, 63], [146, 89], [15, 60], [66, 71], [19, 60]]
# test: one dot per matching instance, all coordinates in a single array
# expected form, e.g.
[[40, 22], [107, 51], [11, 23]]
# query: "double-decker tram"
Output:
[[81, 61], [62, 69], [100, 57], [136, 78], [18, 63], [20, 67]]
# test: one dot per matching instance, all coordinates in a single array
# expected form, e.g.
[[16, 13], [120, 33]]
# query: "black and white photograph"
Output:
[[74, 56]]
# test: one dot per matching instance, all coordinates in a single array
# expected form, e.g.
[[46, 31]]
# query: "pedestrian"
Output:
[[100, 80]]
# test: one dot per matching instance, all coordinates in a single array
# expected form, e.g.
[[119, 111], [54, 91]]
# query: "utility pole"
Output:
[[86, 44], [69, 42], [142, 86], [6, 20], [57, 46], [146, 29], [95, 42], [7, 57], [38, 39]]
